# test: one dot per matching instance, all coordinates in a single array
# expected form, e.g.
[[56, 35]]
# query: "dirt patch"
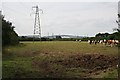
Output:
[[53, 66], [89, 61]]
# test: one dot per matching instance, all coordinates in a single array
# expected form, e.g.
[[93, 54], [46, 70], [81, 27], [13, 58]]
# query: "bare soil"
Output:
[[92, 63]]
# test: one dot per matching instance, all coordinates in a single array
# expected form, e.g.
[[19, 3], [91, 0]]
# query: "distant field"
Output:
[[59, 59]]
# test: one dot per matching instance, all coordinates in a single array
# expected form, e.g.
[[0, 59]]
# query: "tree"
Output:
[[102, 35], [118, 22], [9, 36], [118, 29]]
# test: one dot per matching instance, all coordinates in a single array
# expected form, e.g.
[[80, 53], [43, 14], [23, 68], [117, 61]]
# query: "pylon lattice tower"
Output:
[[37, 28]]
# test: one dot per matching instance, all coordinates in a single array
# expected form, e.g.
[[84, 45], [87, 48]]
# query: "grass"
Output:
[[61, 47], [43, 59], [109, 73]]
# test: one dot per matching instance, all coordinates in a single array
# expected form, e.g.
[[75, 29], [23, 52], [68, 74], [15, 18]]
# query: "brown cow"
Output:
[[111, 42]]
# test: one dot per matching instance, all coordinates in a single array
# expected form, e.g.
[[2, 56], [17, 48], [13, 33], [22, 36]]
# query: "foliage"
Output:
[[107, 36], [9, 36], [102, 35], [118, 29], [23, 38]]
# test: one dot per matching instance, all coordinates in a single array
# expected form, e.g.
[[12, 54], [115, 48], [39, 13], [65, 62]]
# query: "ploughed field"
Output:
[[60, 59]]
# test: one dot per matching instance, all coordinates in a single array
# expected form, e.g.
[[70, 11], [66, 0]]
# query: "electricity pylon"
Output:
[[37, 24]]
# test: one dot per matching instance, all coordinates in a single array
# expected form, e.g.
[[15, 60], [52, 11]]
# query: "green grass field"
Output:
[[59, 59]]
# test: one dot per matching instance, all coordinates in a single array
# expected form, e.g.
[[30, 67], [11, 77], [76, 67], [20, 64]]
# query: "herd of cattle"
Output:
[[105, 42]]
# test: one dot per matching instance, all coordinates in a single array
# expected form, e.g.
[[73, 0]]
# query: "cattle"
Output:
[[111, 42], [90, 41], [105, 42], [79, 40], [93, 41], [101, 41]]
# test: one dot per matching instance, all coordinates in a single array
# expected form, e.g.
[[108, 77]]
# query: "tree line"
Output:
[[99, 36]]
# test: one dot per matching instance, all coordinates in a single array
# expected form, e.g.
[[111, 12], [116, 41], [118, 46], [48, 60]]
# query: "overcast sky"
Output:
[[75, 18]]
